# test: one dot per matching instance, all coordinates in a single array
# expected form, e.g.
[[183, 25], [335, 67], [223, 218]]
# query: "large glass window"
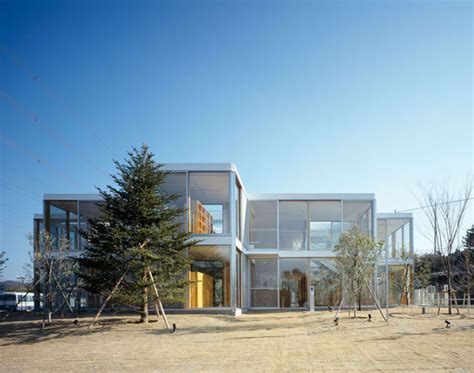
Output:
[[326, 282], [324, 224], [209, 276], [209, 193], [263, 224], [293, 283], [176, 184], [358, 213], [264, 282], [88, 210], [396, 234], [293, 225], [63, 222]]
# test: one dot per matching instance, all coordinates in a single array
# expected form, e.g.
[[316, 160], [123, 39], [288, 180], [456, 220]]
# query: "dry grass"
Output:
[[251, 342]]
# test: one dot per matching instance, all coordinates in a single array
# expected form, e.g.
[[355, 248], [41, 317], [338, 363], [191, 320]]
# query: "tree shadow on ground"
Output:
[[227, 324], [31, 332]]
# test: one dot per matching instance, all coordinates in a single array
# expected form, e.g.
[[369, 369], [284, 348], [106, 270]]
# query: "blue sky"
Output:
[[320, 96]]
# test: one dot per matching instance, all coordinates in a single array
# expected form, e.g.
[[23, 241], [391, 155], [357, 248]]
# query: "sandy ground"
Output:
[[289, 341]]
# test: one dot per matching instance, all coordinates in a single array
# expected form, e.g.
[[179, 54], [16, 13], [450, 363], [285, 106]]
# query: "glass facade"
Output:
[[357, 213], [293, 241], [210, 201], [325, 224], [293, 283], [209, 277], [176, 184], [396, 233], [62, 222], [263, 225], [264, 282], [326, 282], [293, 218]]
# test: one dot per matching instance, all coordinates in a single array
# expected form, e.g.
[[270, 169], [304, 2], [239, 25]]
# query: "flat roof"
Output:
[[203, 167], [72, 197], [311, 196], [394, 215]]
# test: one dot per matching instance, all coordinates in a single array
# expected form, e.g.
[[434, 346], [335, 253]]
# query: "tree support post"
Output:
[[107, 299], [157, 300]]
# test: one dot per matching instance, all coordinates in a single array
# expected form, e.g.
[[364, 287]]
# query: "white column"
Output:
[[233, 232]]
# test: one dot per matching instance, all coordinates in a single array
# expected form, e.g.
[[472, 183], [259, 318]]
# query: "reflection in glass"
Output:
[[293, 283], [263, 224], [209, 276], [264, 282], [357, 213], [325, 224], [63, 222], [326, 282], [175, 184], [293, 225]]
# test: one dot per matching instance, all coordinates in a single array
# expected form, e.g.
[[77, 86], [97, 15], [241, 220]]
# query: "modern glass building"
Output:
[[256, 251]]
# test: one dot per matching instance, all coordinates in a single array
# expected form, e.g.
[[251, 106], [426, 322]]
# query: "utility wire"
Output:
[[18, 192], [45, 87], [28, 154], [48, 130], [436, 203]]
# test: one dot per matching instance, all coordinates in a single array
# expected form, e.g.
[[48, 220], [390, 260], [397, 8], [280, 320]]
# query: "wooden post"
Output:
[[62, 293], [376, 302], [157, 300], [108, 298], [342, 301]]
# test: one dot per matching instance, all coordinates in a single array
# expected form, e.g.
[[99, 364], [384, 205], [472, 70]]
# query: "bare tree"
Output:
[[56, 267], [445, 210]]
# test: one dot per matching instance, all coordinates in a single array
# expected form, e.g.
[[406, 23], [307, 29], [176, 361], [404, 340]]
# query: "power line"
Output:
[[48, 130], [436, 204], [19, 192], [26, 153], [44, 86]]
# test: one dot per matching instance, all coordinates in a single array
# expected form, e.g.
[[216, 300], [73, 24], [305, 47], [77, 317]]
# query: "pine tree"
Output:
[[139, 229]]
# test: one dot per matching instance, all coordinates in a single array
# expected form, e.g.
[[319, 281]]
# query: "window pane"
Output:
[[209, 194], [63, 222], [326, 282], [176, 184], [263, 224], [88, 210], [325, 224], [209, 276], [264, 282], [358, 212], [406, 238], [394, 238], [293, 283], [293, 223]]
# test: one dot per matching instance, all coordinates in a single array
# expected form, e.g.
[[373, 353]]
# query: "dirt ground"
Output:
[[280, 341]]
